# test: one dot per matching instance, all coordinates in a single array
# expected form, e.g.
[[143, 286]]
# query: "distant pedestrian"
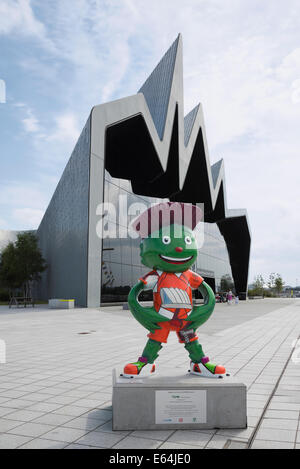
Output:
[[229, 297], [236, 300]]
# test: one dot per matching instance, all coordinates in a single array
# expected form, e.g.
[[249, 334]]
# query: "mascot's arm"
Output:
[[201, 313], [147, 316]]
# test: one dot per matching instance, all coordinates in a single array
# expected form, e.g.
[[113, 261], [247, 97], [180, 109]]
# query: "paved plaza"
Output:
[[55, 387]]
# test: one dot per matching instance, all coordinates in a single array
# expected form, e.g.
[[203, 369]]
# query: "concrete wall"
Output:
[[63, 232]]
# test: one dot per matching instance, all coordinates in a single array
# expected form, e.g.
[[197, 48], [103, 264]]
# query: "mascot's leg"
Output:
[[200, 364], [150, 353]]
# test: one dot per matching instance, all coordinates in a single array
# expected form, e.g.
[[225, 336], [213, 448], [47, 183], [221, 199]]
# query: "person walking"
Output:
[[229, 297]]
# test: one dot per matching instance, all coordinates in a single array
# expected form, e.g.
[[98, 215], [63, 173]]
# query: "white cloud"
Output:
[[92, 37], [23, 203], [31, 123], [28, 217], [3, 224], [17, 17], [16, 195], [54, 144], [60, 133], [290, 66], [66, 128]]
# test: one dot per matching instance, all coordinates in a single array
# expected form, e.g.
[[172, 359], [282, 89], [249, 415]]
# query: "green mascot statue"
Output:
[[168, 247]]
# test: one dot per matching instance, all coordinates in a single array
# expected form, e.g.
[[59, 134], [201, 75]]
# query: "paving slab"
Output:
[[39, 443], [31, 429], [250, 339], [100, 439]]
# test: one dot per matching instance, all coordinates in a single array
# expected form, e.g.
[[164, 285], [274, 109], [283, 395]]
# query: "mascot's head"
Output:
[[168, 241]]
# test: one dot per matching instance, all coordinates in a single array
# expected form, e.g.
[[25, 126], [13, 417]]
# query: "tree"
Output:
[[258, 285], [226, 283], [9, 275], [21, 263], [275, 282], [271, 281], [279, 283]]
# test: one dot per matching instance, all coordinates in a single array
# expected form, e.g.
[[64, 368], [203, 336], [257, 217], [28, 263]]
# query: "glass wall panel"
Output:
[[121, 266]]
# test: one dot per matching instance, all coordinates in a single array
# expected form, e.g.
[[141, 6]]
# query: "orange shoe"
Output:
[[206, 369], [133, 370]]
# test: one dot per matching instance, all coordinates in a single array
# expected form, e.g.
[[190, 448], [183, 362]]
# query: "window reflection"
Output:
[[121, 266]]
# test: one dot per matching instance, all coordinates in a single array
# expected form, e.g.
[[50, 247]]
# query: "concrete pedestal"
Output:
[[178, 401]]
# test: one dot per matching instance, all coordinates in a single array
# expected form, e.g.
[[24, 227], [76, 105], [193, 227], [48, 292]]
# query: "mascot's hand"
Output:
[[145, 315], [201, 313]]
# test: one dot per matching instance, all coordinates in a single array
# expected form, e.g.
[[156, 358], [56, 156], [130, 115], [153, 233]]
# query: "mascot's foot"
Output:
[[205, 369], [133, 370]]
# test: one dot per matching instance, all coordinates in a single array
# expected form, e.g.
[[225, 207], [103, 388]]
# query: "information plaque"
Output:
[[178, 406]]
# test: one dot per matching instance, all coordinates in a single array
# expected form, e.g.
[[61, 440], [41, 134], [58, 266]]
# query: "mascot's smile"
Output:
[[175, 260]]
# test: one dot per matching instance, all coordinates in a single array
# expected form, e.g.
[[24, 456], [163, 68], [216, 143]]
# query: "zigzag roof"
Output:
[[146, 139], [160, 104]]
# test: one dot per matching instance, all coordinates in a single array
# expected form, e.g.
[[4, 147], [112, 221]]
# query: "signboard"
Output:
[[183, 406]]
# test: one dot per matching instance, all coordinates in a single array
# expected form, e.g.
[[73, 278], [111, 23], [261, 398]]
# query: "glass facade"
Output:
[[121, 266], [213, 261]]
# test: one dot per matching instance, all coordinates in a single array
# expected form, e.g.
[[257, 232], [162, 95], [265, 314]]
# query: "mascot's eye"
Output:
[[188, 240], [166, 240]]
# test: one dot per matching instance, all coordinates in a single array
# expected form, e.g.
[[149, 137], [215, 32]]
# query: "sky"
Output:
[[59, 58]]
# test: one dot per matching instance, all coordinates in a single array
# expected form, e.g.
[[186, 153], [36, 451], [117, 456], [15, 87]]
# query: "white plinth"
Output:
[[56, 303], [178, 401]]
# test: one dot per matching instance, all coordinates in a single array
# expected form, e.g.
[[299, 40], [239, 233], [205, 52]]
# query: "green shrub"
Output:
[[259, 292]]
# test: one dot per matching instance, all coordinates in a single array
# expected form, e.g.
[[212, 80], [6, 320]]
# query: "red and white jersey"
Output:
[[172, 292]]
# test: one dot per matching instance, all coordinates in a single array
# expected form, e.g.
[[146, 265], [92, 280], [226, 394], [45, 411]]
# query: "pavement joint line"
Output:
[[254, 433], [213, 434], [227, 444], [260, 350], [167, 439], [240, 326], [238, 353], [51, 413], [298, 428], [245, 365], [173, 432], [58, 426], [230, 441]]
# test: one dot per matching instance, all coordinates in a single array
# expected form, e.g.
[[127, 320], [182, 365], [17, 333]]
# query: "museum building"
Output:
[[143, 148]]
